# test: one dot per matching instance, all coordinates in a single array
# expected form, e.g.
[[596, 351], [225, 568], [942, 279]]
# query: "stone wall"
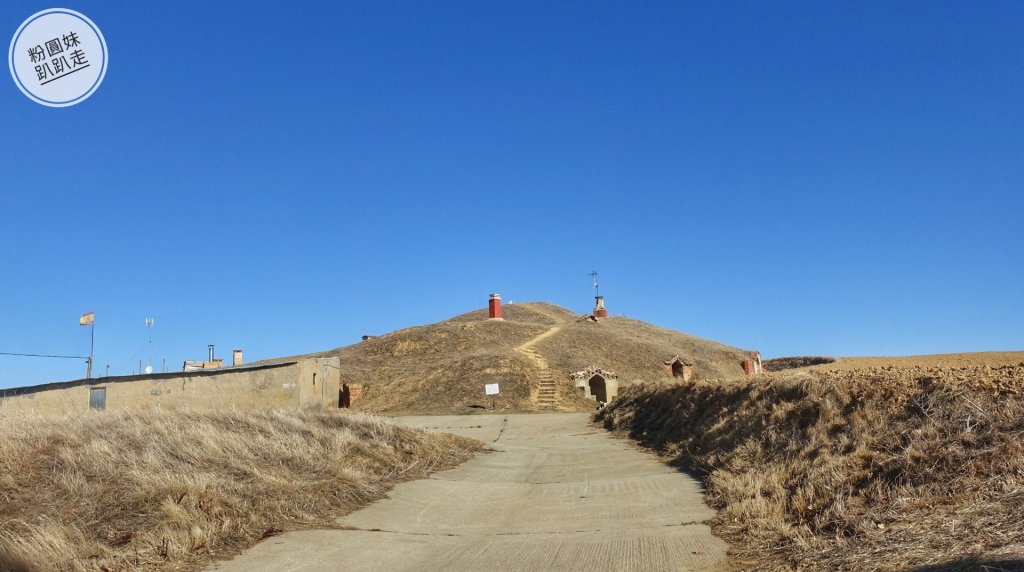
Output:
[[309, 384]]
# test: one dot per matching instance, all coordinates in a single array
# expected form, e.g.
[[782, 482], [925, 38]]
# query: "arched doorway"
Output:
[[344, 397], [677, 369], [680, 368], [598, 389]]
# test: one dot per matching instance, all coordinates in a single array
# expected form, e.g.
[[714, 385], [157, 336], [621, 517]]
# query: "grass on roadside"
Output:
[[166, 490], [875, 469]]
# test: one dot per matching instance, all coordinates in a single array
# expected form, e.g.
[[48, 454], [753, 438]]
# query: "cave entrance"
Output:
[[677, 369], [598, 389]]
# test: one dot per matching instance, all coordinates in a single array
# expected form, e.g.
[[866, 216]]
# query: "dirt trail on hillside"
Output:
[[543, 395], [557, 494]]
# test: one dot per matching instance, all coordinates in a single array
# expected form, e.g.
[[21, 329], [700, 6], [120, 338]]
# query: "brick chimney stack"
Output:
[[494, 307]]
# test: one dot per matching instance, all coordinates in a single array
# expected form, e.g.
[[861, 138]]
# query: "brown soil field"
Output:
[[992, 359], [934, 360], [916, 466]]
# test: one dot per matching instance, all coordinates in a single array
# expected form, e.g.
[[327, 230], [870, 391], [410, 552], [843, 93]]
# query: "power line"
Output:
[[43, 355]]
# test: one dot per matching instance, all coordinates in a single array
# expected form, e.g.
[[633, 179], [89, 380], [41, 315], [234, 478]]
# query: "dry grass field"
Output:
[[881, 467], [172, 491]]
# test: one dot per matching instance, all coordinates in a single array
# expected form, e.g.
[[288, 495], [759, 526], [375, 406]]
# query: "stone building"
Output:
[[308, 384], [679, 367], [597, 384]]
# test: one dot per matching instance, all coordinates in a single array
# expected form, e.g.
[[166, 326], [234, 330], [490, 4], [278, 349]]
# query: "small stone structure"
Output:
[[752, 365], [597, 384], [679, 367]]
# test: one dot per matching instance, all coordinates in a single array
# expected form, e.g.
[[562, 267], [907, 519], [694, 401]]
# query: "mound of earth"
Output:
[[443, 367], [794, 362]]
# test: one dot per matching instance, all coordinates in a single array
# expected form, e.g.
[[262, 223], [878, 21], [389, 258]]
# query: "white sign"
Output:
[[58, 57], [491, 389]]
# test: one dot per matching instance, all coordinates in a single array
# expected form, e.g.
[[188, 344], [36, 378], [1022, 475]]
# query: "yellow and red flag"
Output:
[[86, 319]]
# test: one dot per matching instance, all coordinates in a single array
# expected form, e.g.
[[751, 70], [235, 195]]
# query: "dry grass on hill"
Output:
[[873, 469], [171, 490], [636, 351], [442, 367]]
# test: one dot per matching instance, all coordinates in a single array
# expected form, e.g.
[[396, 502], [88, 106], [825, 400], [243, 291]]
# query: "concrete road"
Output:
[[556, 494]]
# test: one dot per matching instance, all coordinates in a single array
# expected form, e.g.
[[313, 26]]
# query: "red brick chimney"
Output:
[[599, 311], [494, 307]]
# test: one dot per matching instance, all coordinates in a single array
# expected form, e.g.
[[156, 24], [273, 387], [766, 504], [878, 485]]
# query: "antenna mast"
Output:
[[597, 285], [149, 331]]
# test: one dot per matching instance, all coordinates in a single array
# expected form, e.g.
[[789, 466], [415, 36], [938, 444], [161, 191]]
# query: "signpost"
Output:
[[492, 390]]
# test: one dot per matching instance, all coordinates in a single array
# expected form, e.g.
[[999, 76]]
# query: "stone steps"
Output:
[[547, 391]]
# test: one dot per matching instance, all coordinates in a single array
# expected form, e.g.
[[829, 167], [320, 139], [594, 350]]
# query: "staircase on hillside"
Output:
[[547, 394]]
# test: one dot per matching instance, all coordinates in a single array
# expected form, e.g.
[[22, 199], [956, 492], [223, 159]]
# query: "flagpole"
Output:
[[92, 346]]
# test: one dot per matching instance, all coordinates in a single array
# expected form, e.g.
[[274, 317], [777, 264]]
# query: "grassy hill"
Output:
[[442, 367], [636, 350]]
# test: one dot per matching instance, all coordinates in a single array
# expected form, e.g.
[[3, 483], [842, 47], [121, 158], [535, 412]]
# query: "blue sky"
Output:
[[794, 177]]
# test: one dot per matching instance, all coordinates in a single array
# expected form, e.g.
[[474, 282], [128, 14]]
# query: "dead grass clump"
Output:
[[174, 490], [879, 469]]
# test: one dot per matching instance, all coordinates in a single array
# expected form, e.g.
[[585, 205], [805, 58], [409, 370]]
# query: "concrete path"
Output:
[[556, 494]]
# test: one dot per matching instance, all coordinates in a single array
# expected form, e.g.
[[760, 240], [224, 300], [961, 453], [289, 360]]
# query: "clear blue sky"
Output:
[[799, 178]]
